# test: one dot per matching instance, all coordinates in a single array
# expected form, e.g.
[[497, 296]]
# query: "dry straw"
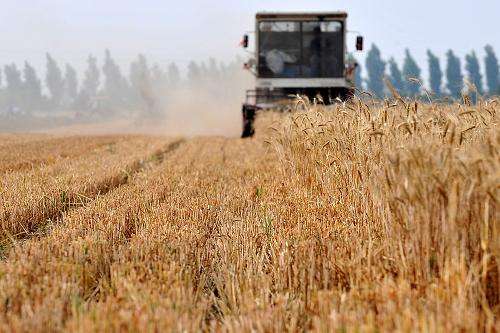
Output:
[[363, 216]]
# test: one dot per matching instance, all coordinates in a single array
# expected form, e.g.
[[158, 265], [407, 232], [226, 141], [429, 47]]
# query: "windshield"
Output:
[[308, 49]]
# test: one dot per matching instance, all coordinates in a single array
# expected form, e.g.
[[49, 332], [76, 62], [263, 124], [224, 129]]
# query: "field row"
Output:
[[29, 155], [349, 218], [103, 245], [34, 199]]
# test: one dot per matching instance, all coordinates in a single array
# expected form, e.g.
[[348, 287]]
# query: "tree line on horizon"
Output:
[[102, 87], [107, 87], [442, 82]]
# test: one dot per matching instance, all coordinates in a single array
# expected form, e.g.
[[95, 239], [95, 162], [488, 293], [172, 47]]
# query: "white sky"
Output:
[[197, 29]]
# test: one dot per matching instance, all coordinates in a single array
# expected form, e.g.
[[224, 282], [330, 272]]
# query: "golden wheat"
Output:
[[356, 217], [32, 199], [29, 155]]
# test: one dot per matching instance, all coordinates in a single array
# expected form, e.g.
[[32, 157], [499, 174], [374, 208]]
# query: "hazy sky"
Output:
[[197, 29]]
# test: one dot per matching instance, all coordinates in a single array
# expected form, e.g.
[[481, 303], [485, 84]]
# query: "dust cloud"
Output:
[[202, 100], [211, 106]]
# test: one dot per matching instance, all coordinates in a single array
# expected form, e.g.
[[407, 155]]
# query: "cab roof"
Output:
[[301, 15]]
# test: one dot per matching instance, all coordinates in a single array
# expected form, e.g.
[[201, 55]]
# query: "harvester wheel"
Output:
[[248, 112]]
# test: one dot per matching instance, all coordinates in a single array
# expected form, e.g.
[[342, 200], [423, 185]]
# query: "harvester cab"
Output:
[[298, 54]]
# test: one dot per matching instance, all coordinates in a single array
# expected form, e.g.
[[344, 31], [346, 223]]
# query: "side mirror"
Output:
[[359, 43], [244, 42]]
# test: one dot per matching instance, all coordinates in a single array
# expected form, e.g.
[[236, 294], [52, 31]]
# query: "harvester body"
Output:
[[298, 54]]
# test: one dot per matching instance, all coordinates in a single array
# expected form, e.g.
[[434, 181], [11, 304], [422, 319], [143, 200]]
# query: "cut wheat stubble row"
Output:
[[43, 152], [171, 258], [77, 253], [34, 199], [7, 139], [110, 245], [213, 257]]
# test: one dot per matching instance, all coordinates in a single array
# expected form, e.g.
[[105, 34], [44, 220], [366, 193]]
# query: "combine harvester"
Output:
[[298, 54]]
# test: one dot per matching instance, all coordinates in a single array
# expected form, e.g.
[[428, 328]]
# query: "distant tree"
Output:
[[492, 71], [158, 76], [173, 74], [223, 68], [454, 75], [70, 85], [54, 81], [375, 68], [14, 85], [435, 73], [194, 72], [13, 77], [213, 69], [140, 76], [90, 84], [141, 81], [204, 73], [139, 71], [473, 71], [115, 85], [2, 93], [160, 85], [32, 88], [411, 72], [396, 77]]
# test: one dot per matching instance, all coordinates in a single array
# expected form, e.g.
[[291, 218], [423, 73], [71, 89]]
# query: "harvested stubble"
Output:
[[346, 218], [34, 199], [7, 139], [81, 254], [29, 155]]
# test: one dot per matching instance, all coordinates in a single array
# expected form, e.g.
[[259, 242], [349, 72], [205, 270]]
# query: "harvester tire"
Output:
[[248, 113]]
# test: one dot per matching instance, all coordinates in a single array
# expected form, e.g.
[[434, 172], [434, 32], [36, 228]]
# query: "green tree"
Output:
[[140, 79], [204, 73], [70, 85], [454, 75], [158, 76], [435, 73], [492, 70], [14, 85], [194, 72], [411, 72], [396, 77], [473, 71], [54, 81], [159, 84], [90, 84], [213, 69], [32, 88], [375, 68], [139, 72], [115, 85], [142, 85], [174, 76], [2, 93]]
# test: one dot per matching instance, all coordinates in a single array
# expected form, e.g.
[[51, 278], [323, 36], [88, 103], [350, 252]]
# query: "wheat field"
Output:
[[355, 217]]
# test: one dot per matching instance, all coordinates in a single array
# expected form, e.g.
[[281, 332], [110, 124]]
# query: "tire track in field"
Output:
[[76, 200], [151, 199]]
